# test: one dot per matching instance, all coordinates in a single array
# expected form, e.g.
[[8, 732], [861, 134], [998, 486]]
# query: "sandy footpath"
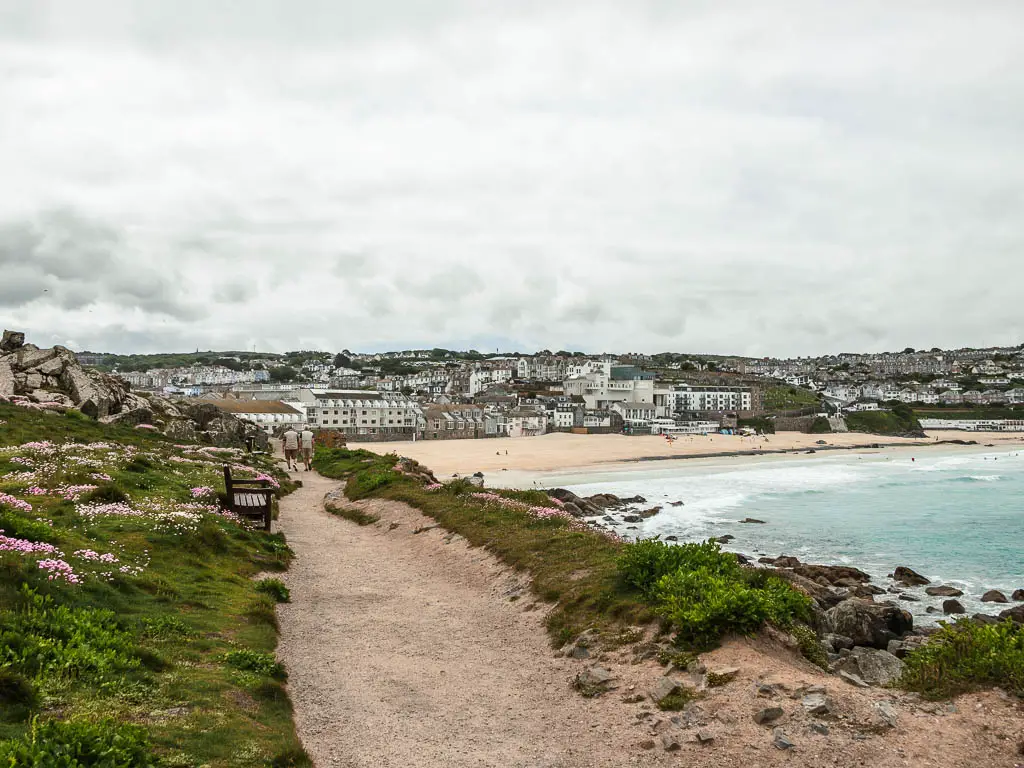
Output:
[[414, 650], [560, 451]]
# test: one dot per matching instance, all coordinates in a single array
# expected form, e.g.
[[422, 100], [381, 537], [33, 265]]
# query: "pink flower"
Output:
[[24, 546], [144, 426], [432, 486], [58, 569], [201, 491], [19, 504]]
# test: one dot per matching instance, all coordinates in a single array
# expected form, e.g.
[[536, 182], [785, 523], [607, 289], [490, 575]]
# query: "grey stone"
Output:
[[994, 596], [952, 606], [873, 666], [885, 713], [704, 737], [1018, 595], [819, 728], [867, 623], [671, 740], [594, 676], [817, 704], [909, 598], [781, 740], [838, 642], [768, 715], [853, 679], [984, 618], [664, 688], [6, 380], [944, 591]]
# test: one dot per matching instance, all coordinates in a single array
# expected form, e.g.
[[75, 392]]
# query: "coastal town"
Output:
[[442, 395]]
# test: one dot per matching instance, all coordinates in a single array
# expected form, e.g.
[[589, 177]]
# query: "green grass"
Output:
[[965, 656], [900, 421], [706, 594], [787, 398], [134, 659]]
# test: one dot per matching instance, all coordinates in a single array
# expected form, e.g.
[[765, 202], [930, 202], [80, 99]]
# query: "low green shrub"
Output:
[[275, 588], [704, 593], [48, 642], [643, 563], [18, 697], [820, 426], [165, 628], [295, 757], [261, 610], [139, 464], [810, 646], [106, 493], [362, 484], [62, 744], [254, 661], [676, 702], [966, 656], [13, 524]]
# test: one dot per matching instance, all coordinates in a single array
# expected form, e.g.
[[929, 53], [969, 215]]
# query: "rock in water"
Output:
[[952, 606], [1018, 594], [944, 591], [909, 577], [1016, 613], [994, 596], [868, 624]]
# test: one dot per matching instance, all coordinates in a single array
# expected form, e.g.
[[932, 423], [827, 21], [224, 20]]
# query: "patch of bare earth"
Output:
[[408, 649]]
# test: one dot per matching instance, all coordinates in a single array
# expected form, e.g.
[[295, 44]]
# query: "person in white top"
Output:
[[291, 447], [306, 439]]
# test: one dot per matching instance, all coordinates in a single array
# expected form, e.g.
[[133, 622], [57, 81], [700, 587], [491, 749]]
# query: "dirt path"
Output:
[[415, 650], [407, 650]]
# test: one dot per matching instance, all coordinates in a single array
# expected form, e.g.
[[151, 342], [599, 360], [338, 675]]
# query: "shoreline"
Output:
[[563, 452]]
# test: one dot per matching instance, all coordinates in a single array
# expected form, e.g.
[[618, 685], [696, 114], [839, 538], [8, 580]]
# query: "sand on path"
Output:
[[407, 650], [560, 450]]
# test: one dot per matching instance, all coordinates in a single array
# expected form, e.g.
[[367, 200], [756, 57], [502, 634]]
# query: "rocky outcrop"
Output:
[[53, 380], [909, 577], [868, 624], [994, 596]]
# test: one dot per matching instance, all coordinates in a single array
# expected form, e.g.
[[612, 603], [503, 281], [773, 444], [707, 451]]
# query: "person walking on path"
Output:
[[306, 439], [291, 448]]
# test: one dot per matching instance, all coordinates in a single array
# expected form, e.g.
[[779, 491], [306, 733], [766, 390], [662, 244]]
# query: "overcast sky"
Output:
[[777, 178]]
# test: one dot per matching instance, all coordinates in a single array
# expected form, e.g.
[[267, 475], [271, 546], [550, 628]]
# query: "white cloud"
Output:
[[778, 178]]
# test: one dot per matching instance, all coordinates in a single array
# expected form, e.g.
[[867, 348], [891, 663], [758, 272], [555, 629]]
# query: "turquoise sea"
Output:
[[956, 517]]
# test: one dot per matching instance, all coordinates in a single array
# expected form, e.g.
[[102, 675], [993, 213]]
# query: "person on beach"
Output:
[[291, 447], [306, 439]]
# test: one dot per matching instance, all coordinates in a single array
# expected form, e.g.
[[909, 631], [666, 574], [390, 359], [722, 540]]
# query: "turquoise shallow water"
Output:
[[957, 518]]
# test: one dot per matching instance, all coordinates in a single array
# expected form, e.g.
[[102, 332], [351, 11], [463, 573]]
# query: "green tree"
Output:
[[283, 373]]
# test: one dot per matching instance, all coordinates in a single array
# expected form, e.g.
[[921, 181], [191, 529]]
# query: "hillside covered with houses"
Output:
[[440, 394]]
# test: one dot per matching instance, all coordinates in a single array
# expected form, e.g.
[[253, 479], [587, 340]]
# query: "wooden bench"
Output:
[[249, 498]]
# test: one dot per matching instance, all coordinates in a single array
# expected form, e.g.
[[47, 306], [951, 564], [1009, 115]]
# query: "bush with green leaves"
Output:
[[965, 656], [49, 642], [62, 744], [254, 661], [362, 484], [275, 588], [18, 527], [705, 593]]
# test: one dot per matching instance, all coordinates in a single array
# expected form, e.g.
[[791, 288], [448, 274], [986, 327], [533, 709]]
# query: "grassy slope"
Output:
[[787, 398], [880, 423], [191, 601]]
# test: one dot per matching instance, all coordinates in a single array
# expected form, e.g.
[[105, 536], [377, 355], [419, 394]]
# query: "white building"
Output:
[[268, 414], [684, 398], [624, 384], [358, 413]]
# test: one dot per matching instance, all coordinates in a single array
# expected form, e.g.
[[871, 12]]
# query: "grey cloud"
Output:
[[622, 175]]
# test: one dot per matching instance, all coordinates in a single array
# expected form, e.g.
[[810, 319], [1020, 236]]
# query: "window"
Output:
[[335, 421]]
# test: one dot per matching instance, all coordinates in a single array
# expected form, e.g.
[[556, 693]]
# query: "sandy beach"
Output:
[[558, 451]]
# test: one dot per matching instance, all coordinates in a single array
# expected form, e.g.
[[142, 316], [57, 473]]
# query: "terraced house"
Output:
[[363, 415], [452, 422]]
